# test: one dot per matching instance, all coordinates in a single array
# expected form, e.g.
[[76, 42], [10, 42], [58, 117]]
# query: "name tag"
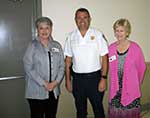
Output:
[[112, 58], [55, 50]]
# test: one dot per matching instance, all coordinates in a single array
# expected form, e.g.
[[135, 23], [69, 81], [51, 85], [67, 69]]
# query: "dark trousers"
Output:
[[86, 86], [43, 108]]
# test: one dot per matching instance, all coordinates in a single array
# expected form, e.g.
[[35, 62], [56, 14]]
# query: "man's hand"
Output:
[[102, 85]]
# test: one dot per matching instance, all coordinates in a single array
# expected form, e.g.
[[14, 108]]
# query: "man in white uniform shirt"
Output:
[[86, 50]]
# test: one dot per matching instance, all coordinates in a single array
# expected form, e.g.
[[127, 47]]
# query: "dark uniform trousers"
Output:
[[85, 86]]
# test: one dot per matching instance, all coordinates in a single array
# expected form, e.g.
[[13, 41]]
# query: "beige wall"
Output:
[[104, 13]]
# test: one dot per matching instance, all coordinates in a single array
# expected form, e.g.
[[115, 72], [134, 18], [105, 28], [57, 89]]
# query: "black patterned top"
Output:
[[117, 98]]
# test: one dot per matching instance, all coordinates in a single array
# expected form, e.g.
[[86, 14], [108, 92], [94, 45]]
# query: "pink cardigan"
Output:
[[134, 69]]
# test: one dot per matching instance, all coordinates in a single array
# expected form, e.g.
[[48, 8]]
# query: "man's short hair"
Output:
[[82, 10]]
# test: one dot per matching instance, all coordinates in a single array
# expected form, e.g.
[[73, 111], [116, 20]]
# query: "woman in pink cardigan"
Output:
[[127, 67]]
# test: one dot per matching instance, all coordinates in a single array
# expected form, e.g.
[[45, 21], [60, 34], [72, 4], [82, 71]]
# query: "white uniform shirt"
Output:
[[86, 51]]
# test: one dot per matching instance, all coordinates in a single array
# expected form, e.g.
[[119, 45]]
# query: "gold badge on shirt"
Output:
[[92, 37]]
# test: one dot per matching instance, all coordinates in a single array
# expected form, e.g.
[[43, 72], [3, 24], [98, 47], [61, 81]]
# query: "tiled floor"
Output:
[[145, 110], [145, 114]]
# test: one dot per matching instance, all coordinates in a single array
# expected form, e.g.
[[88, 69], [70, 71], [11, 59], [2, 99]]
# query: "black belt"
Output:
[[87, 74]]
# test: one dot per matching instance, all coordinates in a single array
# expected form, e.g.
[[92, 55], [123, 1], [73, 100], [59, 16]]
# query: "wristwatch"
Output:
[[104, 76]]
